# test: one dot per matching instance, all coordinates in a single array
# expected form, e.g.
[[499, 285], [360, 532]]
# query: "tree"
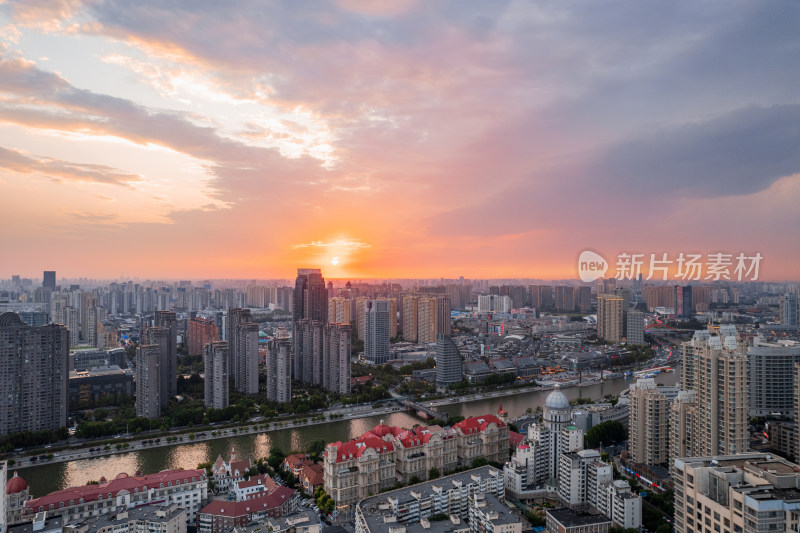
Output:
[[610, 432], [316, 448], [276, 457], [433, 473]]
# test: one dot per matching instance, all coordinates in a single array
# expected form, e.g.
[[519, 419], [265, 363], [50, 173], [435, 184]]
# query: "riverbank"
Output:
[[155, 440], [255, 444]]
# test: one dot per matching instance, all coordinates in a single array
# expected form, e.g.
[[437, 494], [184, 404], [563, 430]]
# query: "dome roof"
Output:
[[15, 484], [556, 400], [121, 475]]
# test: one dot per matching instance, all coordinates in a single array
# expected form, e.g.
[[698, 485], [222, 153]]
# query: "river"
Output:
[[48, 478]]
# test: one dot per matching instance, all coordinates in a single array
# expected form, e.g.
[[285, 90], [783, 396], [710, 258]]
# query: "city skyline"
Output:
[[394, 140]]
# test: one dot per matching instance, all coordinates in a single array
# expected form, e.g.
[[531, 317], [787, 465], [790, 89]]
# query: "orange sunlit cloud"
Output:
[[171, 140]]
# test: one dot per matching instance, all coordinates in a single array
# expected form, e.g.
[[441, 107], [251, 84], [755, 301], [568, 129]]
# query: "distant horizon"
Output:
[[137, 279]]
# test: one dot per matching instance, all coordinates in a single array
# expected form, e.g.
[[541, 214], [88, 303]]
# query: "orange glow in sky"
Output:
[[173, 140]]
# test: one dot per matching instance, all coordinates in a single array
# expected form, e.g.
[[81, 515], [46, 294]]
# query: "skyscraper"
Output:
[[449, 369], [310, 303], [71, 320], [376, 338], [715, 367], [33, 375], [789, 310], [583, 299], [279, 369], [688, 305], [88, 300], [169, 355], [148, 380], [201, 332], [648, 418], [634, 327], [542, 297], [242, 337], [310, 295], [336, 347], [49, 280], [609, 317], [217, 378], [565, 298]]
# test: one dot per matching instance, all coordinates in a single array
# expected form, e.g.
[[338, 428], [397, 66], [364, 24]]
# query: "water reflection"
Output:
[[45, 479]]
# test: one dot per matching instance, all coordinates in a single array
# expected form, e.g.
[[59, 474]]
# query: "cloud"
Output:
[[738, 153], [57, 169], [339, 243]]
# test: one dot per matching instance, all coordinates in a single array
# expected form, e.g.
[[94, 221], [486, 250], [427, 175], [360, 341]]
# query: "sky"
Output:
[[404, 139]]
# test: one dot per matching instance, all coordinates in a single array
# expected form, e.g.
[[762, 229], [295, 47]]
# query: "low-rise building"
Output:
[[481, 436], [386, 455], [245, 490], [221, 516], [569, 521], [302, 522], [186, 488], [413, 509], [150, 518], [488, 513]]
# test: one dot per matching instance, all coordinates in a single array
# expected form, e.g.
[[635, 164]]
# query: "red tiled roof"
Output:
[[242, 466], [357, 447], [478, 424], [262, 479], [122, 482], [314, 474], [515, 438], [260, 502]]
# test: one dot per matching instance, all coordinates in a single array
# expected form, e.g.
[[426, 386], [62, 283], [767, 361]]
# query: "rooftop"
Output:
[[375, 508], [570, 518]]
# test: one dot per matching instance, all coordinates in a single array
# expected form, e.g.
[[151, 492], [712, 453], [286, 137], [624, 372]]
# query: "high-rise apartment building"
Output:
[[279, 369], [609, 317], [70, 318], [339, 310], [565, 298], [337, 339], [648, 423], [88, 300], [789, 310], [410, 317], [310, 295], [449, 369], [682, 421], [324, 350], [542, 297], [49, 280], [167, 321], [491, 303], [257, 296], [242, 337], [34, 375], [583, 299], [715, 367], [148, 380], [201, 331], [634, 327], [770, 378], [217, 377], [310, 303], [376, 331]]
